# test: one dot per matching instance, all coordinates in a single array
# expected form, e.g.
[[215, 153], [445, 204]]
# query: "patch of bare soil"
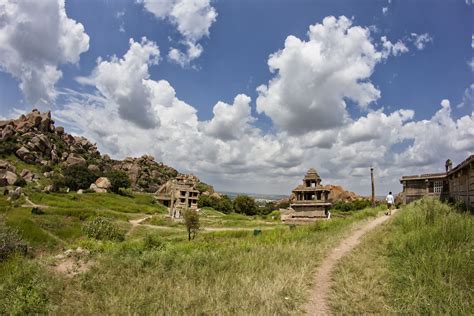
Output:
[[318, 303], [72, 262]]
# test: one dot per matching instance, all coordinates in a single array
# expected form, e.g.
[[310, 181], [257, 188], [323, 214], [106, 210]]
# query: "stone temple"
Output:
[[310, 200], [179, 194]]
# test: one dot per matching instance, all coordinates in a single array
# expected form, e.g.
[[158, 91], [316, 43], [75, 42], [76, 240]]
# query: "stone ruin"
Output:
[[178, 194], [309, 201]]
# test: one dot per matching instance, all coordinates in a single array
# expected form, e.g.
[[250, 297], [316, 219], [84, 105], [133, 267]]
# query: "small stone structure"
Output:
[[178, 194], [310, 200], [456, 184]]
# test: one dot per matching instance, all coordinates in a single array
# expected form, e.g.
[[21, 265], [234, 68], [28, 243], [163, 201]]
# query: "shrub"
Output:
[[191, 221], [153, 242], [244, 204], [203, 187], [37, 211], [267, 208], [20, 182], [102, 228], [224, 205], [125, 192], [118, 180], [345, 206], [9, 146], [10, 243], [275, 215], [77, 177], [46, 168]]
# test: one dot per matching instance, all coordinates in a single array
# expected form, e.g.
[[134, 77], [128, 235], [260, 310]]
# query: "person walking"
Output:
[[390, 201]]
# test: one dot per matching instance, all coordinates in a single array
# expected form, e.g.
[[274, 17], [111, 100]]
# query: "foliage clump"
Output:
[[222, 204], [102, 228], [245, 204], [191, 221], [10, 243], [77, 177], [9, 146], [20, 182], [118, 180], [203, 187], [346, 206], [153, 242], [37, 211]]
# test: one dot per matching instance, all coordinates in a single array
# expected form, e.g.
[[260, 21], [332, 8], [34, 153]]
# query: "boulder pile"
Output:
[[34, 139]]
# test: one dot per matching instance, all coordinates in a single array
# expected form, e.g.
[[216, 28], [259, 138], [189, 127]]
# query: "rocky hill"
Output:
[[35, 140]]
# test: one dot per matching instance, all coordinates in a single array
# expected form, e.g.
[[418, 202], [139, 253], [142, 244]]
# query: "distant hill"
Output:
[[34, 139]]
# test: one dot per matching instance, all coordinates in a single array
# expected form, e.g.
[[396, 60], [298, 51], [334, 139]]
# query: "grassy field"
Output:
[[420, 263], [156, 270]]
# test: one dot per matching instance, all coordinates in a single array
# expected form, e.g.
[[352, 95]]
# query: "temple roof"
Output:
[[312, 174], [302, 188]]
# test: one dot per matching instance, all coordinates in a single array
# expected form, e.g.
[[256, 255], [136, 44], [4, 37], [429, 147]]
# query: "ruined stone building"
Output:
[[178, 194], [455, 184], [310, 200]]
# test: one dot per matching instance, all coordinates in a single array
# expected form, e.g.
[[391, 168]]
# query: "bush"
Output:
[[118, 180], [46, 168], [10, 243], [77, 177], [356, 205], [125, 192], [191, 221], [203, 187], [244, 204], [37, 211], [9, 146], [20, 182], [223, 204], [275, 215], [153, 242], [102, 228]]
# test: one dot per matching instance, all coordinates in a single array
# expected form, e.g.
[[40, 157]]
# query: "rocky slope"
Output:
[[36, 140]]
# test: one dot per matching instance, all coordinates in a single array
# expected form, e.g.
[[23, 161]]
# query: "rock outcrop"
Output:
[[35, 139], [337, 193]]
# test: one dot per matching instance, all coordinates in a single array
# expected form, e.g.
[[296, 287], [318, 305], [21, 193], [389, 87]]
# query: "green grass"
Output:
[[224, 272], [22, 220], [139, 203], [420, 263]]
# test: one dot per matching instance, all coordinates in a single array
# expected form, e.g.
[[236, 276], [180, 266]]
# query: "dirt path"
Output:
[[139, 222], [318, 304], [27, 200]]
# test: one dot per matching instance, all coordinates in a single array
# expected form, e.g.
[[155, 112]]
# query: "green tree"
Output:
[[205, 201], [224, 205], [244, 204], [78, 177], [118, 180], [191, 220]]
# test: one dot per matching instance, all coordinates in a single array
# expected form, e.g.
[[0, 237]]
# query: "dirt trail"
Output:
[[318, 304], [27, 200], [139, 222]]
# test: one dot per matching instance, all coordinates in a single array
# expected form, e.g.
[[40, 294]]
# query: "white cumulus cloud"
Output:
[[230, 151], [36, 37], [192, 19], [124, 80], [314, 78]]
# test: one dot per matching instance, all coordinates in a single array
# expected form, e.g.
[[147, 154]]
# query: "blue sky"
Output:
[[236, 43]]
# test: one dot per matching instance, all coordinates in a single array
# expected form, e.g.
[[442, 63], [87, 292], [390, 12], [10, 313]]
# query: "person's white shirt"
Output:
[[389, 199]]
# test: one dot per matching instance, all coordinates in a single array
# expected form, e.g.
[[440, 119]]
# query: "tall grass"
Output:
[[420, 263], [219, 273]]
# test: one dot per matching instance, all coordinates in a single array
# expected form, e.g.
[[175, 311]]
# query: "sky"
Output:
[[250, 94]]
